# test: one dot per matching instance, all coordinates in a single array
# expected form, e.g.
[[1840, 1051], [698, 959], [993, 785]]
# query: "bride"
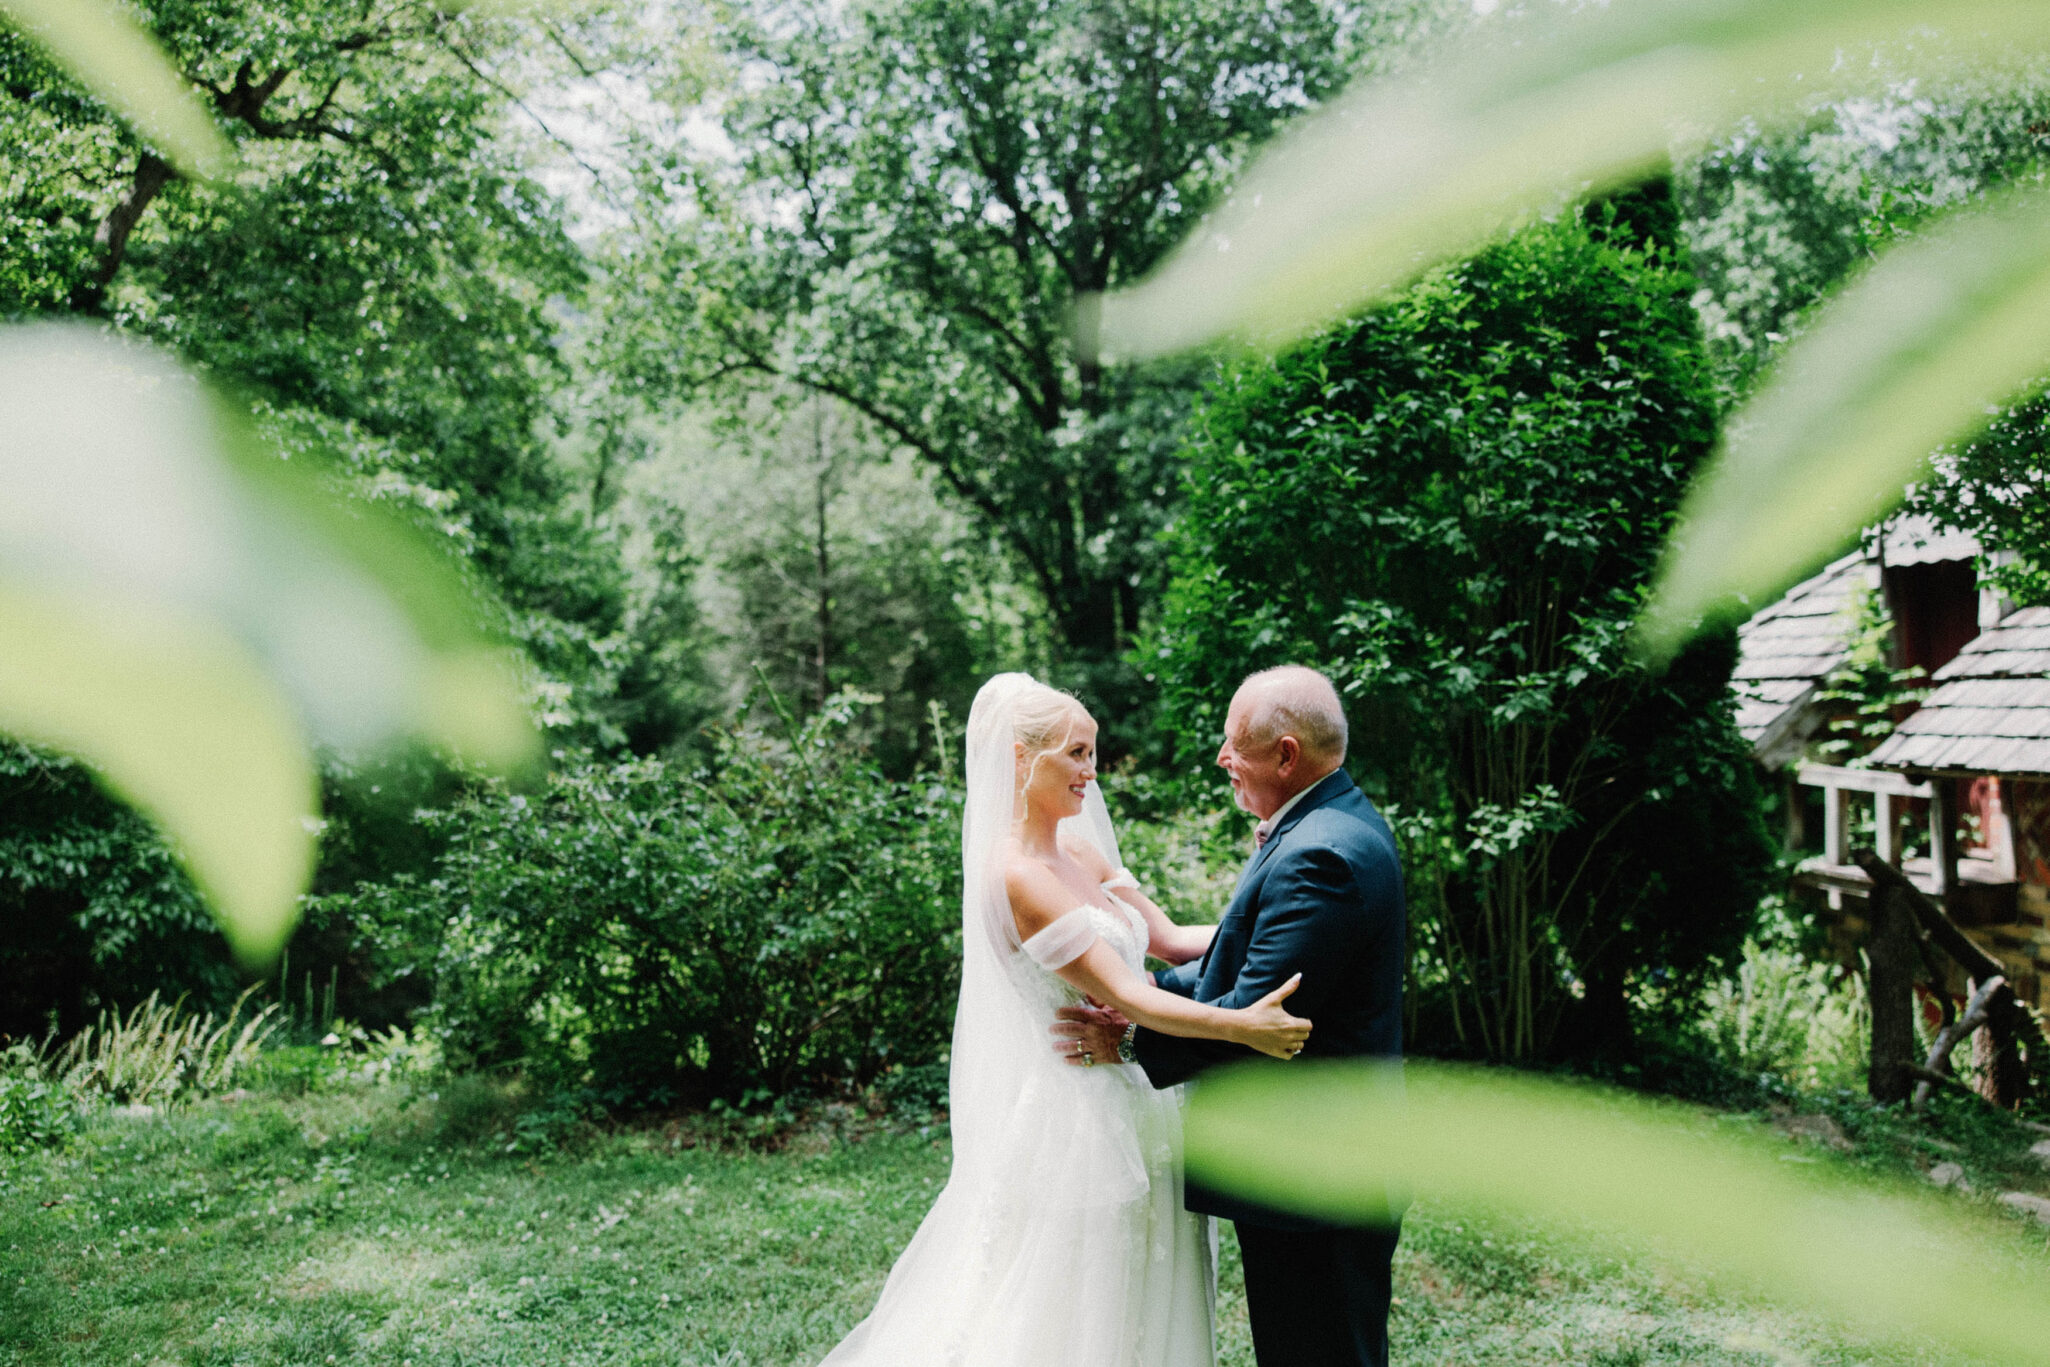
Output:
[[1060, 1236]]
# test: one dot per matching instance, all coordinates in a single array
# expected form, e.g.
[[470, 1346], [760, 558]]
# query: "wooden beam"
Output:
[[1860, 780], [1836, 828]]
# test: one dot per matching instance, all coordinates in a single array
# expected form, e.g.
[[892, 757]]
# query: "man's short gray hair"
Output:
[[1295, 700]]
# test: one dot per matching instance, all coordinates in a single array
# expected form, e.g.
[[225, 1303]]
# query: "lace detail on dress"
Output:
[[1124, 930]]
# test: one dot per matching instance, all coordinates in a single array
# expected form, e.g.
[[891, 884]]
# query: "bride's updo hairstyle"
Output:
[[1042, 719]]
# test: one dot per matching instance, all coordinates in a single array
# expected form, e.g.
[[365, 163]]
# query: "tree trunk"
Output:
[[152, 174], [1890, 951]]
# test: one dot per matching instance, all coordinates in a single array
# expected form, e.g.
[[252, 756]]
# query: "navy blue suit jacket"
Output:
[[1322, 897]]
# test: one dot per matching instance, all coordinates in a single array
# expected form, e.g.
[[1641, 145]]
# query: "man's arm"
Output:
[[1301, 928], [1181, 979]]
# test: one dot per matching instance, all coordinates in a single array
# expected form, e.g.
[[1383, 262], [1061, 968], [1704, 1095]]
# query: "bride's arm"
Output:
[[1038, 899], [1165, 940]]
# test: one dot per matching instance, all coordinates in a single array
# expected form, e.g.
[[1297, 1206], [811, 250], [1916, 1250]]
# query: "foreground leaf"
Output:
[[1337, 1140], [182, 724], [1408, 171], [1916, 352], [139, 514], [114, 58]]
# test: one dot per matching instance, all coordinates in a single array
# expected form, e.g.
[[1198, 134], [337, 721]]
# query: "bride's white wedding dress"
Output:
[[1060, 1239], [1083, 1256]]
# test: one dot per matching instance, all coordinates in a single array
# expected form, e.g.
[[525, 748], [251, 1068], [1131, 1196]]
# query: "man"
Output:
[[1323, 897]]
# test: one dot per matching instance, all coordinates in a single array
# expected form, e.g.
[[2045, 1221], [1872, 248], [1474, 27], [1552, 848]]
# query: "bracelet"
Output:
[[1125, 1043]]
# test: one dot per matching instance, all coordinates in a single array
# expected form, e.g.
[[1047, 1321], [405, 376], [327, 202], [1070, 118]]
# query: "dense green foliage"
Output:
[[382, 281], [1452, 505], [36, 1110], [1778, 218], [93, 908], [916, 193], [1997, 486], [830, 566], [783, 916]]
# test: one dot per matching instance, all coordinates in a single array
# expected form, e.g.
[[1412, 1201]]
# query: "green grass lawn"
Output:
[[353, 1228]]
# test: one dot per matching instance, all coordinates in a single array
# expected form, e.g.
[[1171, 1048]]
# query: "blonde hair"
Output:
[[1042, 721]]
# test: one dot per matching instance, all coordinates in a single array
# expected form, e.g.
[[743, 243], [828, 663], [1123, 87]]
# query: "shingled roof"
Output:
[[1990, 712], [1787, 649]]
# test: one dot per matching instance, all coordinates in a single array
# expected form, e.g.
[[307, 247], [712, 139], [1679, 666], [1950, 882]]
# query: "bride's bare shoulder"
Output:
[[1038, 896], [1092, 860]]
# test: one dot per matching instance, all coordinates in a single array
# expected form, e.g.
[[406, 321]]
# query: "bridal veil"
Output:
[[1059, 1237]]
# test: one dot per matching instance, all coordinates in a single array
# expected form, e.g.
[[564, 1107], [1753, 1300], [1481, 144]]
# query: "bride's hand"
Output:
[[1268, 1026]]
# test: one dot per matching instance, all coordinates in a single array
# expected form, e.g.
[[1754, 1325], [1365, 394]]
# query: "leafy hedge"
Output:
[[783, 916], [1454, 504]]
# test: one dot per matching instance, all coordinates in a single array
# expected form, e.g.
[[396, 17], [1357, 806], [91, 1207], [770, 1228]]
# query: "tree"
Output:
[[378, 279], [1778, 217], [376, 288], [1454, 505], [918, 190]]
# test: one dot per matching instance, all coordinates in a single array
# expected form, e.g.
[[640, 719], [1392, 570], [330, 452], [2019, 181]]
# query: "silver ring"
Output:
[[1088, 1059]]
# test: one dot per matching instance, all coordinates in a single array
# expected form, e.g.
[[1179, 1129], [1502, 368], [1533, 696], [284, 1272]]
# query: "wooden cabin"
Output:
[[1959, 795]]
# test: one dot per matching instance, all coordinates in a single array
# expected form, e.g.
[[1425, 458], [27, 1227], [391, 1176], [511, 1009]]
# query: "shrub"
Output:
[[783, 916], [1454, 505], [348, 1055], [93, 906], [35, 1109], [1782, 1015]]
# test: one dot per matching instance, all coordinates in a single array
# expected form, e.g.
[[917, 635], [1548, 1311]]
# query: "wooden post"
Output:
[[1885, 827], [1890, 980], [2011, 1027], [1943, 836], [1835, 825], [1836, 833]]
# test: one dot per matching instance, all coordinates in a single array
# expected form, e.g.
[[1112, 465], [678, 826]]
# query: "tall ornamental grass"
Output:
[[159, 1052]]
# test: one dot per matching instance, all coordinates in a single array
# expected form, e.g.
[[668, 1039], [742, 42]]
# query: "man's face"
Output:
[[1261, 776]]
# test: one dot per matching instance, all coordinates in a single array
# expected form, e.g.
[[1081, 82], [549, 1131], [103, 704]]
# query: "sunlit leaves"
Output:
[[1408, 171], [99, 44], [1916, 351], [188, 612], [1349, 1141]]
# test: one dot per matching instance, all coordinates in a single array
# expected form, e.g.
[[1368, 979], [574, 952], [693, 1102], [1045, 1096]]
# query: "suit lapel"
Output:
[[1326, 788]]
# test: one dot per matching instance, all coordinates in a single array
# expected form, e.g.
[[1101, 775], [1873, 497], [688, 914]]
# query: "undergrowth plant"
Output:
[[160, 1052], [1784, 1015], [35, 1109]]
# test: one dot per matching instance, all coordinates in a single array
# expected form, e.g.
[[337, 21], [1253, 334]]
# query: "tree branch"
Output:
[[152, 174], [520, 104], [980, 499], [1947, 1039]]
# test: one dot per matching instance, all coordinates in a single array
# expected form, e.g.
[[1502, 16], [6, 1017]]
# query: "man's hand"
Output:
[[1095, 1030]]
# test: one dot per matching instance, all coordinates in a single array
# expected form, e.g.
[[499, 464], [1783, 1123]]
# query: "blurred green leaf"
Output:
[[1407, 171], [138, 508], [1338, 1139], [110, 53], [182, 724], [1914, 353]]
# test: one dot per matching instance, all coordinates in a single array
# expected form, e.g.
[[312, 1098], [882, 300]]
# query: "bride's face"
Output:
[[1055, 780]]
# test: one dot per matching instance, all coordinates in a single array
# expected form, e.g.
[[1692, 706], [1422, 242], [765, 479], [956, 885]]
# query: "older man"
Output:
[[1322, 896]]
